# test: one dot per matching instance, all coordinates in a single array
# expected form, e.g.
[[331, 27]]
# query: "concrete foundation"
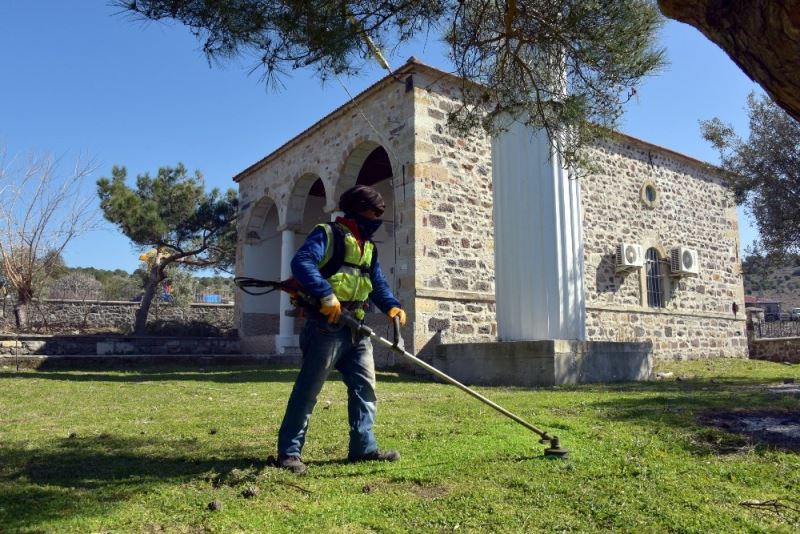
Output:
[[544, 363]]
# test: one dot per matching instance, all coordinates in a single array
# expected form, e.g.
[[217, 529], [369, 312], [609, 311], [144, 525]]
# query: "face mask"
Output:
[[367, 227]]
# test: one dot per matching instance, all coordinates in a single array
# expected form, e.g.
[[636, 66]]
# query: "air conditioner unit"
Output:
[[683, 262], [629, 256]]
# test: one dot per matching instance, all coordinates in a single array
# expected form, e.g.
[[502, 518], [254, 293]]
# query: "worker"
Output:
[[338, 265]]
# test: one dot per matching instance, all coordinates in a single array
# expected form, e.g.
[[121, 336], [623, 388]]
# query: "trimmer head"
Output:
[[555, 450]]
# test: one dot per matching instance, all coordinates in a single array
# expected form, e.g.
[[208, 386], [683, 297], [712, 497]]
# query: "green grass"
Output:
[[146, 451]]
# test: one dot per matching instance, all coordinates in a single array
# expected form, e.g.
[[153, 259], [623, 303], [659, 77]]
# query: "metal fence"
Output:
[[216, 297], [201, 297], [777, 329]]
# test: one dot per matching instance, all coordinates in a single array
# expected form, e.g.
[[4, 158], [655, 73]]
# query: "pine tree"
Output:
[[172, 215], [562, 65]]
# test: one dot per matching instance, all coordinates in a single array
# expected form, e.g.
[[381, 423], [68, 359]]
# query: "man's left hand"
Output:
[[399, 313]]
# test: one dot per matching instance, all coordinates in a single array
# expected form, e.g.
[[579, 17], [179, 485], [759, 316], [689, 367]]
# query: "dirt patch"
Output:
[[789, 387], [429, 491], [777, 428]]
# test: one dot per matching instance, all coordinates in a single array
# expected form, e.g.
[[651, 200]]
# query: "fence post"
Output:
[[754, 319]]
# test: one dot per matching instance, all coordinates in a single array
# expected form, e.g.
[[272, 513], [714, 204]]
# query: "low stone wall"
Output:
[[544, 363], [116, 315], [33, 345], [782, 349], [259, 331], [674, 335]]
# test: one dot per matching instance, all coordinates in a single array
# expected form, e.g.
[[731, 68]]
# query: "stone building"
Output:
[[437, 246]]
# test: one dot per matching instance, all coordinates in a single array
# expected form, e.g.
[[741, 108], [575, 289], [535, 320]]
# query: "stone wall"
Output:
[[785, 349], [693, 208], [454, 249], [32, 345], [116, 315], [263, 329], [677, 336]]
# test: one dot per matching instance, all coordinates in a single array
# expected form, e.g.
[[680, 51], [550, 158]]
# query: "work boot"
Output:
[[292, 463], [381, 456]]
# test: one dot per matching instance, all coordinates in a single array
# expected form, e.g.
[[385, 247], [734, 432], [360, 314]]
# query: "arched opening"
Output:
[[376, 168], [314, 208], [306, 204], [376, 171], [261, 259], [369, 164]]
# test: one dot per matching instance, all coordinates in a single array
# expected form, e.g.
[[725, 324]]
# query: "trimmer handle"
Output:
[[396, 329]]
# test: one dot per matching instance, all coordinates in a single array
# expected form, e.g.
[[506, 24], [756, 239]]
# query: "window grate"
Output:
[[655, 270]]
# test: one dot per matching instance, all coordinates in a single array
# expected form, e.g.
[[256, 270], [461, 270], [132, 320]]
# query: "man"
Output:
[[338, 264]]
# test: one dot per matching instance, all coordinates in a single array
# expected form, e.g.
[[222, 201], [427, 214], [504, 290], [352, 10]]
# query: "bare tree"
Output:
[[41, 211], [75, 286]]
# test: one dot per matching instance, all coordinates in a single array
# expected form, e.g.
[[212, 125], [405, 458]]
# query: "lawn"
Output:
[[148, 450]]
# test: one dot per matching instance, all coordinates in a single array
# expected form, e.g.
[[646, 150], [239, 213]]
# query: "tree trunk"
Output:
[[156, 276], [21, 315], [761, 36], [24, 299]]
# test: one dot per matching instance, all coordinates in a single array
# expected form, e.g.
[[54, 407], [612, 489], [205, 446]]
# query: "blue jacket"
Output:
[[305, 270]]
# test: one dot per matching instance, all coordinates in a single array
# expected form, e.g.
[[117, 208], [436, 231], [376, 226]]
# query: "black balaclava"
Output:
[[362, 198], [367, 227]]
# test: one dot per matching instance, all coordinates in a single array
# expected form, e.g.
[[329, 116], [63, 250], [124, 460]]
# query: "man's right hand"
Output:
[[331, 308]]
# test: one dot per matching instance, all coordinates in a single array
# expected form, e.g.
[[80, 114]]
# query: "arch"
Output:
[[258, 256], [256, 220], [302, 188], [352, 170]]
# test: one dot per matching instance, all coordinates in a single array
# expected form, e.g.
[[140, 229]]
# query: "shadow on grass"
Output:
[[84, 477], [685, 385], [231, 375], [682, 409], [410, 469]]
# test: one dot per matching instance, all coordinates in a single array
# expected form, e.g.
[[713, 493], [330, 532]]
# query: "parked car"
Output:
[[784, 316], [795, 315]]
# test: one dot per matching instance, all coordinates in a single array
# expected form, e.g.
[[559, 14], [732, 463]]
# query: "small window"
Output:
[[649, 194], [654, 272]]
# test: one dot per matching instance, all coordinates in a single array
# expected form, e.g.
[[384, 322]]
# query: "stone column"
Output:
[[538, 239], [286, 337]]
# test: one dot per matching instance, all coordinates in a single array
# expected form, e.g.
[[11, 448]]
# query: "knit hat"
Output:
[[361, 198]]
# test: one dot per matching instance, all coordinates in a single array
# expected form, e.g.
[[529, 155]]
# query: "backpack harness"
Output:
[[336, 260]]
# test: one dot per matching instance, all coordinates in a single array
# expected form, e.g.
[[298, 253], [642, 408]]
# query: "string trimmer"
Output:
[[300, 299]]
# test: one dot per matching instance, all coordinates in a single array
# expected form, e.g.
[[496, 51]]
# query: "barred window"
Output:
[[655, 270]]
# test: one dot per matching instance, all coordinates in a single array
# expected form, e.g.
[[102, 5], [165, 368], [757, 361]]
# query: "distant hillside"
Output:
[[777, 282], [91, 283]]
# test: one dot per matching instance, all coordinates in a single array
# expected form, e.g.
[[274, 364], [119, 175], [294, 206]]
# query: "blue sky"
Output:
[[80, 78]]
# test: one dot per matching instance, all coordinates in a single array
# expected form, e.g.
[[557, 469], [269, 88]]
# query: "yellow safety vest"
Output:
[[352, 282]]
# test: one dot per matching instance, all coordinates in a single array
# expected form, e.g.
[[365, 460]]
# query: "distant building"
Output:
[[674, 282], [770, 306]]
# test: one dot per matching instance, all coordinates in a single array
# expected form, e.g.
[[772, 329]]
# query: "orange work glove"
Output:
[[331, 308], [397, 312]]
